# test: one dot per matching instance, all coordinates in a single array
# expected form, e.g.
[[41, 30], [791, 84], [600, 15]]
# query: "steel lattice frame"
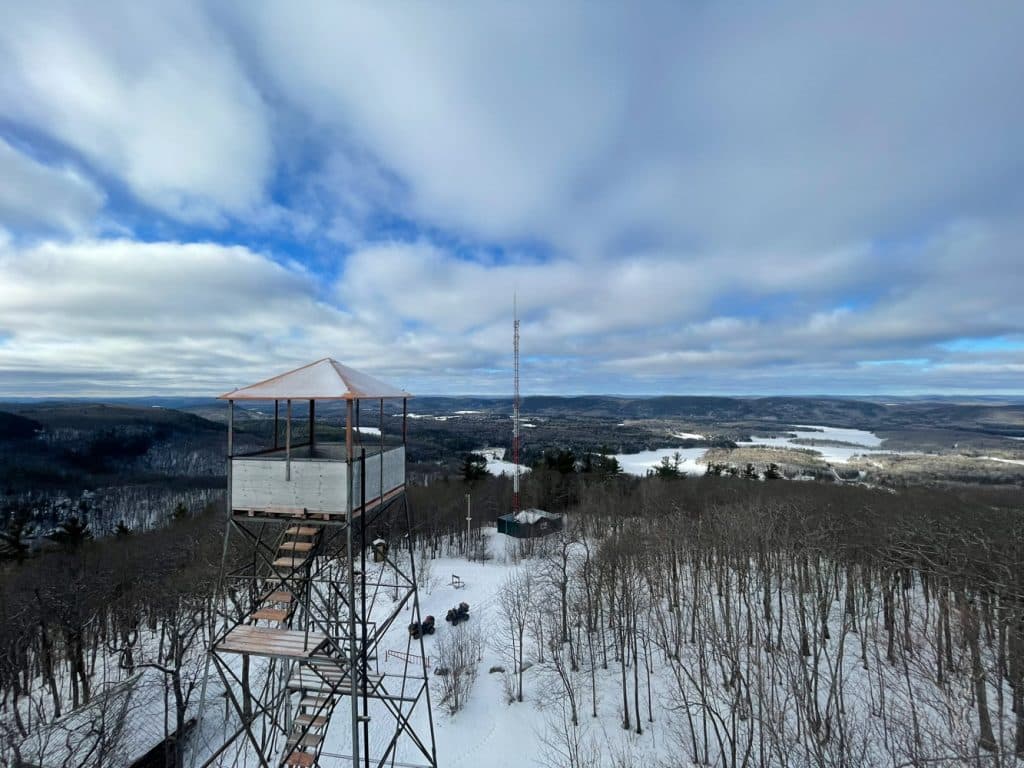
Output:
[[331, 590]]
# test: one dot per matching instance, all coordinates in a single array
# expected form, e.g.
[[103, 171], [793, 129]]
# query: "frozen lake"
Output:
[[861, 442]]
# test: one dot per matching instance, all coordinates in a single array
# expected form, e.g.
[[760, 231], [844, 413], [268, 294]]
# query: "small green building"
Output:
[[530, 523]]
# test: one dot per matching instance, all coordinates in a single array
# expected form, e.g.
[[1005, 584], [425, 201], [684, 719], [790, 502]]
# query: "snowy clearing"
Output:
[[496, 464], [640, 463], [861, 442]]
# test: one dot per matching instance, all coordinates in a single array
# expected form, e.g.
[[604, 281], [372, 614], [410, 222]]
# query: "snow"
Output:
[[489, 731], [73, 737], [496, 467], [862, 442], [640, 463], [496, 464], [466, 413], [693, 458], [1004, 461], [370, 430], [531, 516]]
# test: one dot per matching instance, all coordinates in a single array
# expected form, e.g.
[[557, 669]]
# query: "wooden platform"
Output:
[[289, 562], [300, 760], [309, 682], [295, 546], [307, 741], [314, 515], [276, 643], [295, 513], [270, 614]]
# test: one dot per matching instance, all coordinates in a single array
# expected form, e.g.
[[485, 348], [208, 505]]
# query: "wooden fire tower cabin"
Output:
[[311, 675]]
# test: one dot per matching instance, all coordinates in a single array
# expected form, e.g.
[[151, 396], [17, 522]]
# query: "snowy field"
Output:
[[641, 463], [490, 731], [860, 442], [496, 463], [693, 463]]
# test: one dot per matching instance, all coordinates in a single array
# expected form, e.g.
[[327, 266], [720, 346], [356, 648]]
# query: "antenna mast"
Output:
[[515, 406]]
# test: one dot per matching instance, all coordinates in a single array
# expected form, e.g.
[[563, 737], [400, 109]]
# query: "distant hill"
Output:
[[834, 411]]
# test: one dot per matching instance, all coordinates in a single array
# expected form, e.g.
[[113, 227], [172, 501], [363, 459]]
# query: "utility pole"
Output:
[[515, 406], [469, 520]]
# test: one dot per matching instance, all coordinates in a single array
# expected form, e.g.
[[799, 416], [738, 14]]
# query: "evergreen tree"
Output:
[[13, 539], [71, 534], [474, 467]]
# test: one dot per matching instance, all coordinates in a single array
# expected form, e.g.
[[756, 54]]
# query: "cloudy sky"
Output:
[[688, 197]]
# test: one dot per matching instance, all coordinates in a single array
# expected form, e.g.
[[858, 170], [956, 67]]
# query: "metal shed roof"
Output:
[[325, 379]]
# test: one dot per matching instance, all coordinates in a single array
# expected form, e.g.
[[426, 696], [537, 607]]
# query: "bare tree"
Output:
[[458, 659]]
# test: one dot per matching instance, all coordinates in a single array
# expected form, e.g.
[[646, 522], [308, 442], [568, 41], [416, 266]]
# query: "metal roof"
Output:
[[325, 379], [117, 727]]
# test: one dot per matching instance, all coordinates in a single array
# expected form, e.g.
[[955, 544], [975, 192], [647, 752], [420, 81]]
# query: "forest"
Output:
[[763, 623]]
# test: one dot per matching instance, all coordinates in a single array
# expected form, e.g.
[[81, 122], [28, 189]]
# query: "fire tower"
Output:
[[301, 646]]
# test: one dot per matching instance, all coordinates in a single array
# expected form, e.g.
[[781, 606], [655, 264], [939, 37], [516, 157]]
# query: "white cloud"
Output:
[[685, 198], [197, 317], [590, 126], [148, 92], [37, 196]]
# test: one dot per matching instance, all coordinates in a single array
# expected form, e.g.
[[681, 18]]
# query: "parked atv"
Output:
[[426, 627], [457, 614]]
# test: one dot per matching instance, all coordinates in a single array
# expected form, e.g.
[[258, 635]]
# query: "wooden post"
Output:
[[288, 442], [312, 426], [276, 429], [405, 418]]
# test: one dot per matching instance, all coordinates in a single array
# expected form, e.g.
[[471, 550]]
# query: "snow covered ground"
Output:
[[496, 464], [861, 442], [1003, 461], [490, 731], [640, 463]]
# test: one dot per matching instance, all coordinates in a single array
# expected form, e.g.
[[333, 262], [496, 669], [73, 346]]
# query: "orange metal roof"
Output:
[[325, 379]]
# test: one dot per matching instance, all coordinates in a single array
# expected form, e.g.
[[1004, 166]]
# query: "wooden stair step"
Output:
[[300, 760], [306, 741], [289, 562], [295, 546], [270, 614], [302, 530], [318, 721], [315, 701]]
